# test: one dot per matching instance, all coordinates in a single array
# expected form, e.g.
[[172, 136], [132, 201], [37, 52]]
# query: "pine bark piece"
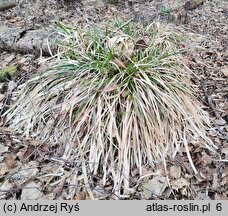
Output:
[[193, 4], [7, 4]]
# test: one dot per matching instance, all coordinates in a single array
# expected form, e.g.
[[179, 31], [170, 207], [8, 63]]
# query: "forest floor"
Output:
[[30, 169]]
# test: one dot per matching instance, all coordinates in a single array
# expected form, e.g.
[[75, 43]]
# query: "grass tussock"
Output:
[[117, 98]]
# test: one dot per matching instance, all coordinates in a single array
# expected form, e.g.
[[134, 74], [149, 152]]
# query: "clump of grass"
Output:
[[7, 72], [116, 98], [165, 10]]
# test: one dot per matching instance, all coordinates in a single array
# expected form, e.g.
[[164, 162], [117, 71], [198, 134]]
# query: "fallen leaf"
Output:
[[3, 149], [220, 121], [184, 192], [31, 191], [29, 150], [155, 186], [180, 183], [202, 196], [119, 63], [206, 174], [213, 133], [8, 59], [188, 167], [5, 188], [220, 197], [225, 151], [129, 48], [3, 169], [80, 196], [225, 180], [27, 171], [9, 161], [142, 44], [59, 189], [224, 70], [99, 191], [207, 159], [49, 196], [122, 44], [175, 172], [11, 85]]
